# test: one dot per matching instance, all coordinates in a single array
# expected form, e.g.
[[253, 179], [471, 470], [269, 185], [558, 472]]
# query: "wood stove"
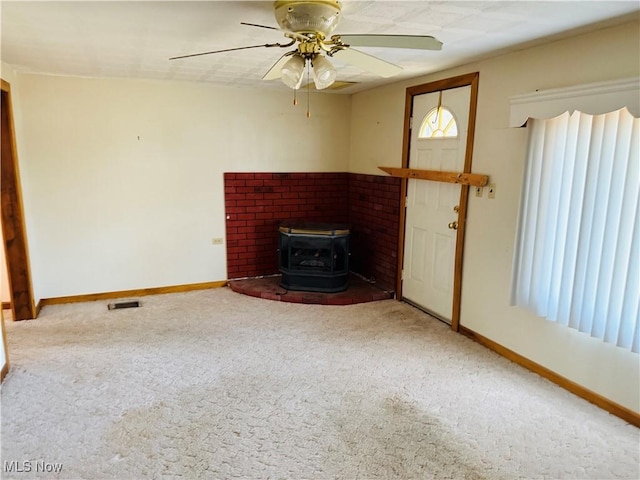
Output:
[[314, 257]]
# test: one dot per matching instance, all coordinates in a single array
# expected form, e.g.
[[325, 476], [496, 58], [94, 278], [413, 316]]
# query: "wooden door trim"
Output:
[[7, 365], [470, 79], [13, 228]]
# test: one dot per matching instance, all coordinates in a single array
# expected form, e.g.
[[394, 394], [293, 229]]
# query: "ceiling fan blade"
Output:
[[275, 71], [294, 35], [217, 51], [259, 26], [368, 62], [420, 42], [266, 45]]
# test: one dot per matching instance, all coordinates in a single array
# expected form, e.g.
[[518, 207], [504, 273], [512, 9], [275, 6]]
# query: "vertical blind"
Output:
[[576, 259]]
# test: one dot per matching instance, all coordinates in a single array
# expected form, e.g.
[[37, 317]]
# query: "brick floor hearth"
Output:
[[359, 291]]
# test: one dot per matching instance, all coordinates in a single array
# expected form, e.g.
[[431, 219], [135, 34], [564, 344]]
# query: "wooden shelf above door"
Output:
[[475, 179]]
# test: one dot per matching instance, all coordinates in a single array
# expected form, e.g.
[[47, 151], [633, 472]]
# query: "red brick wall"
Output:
[[374, 203], [256, 203]]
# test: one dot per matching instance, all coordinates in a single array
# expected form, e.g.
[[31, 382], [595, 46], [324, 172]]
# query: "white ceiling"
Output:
[[135, 39]]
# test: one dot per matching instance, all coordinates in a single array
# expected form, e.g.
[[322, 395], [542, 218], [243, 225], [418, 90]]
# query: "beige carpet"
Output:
[[214, 384]]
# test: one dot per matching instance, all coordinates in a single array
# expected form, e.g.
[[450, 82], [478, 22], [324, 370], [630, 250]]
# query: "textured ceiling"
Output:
[[135, 39]]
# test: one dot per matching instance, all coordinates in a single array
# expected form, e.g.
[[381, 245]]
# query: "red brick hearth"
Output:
[[269, 288], [256, 203]]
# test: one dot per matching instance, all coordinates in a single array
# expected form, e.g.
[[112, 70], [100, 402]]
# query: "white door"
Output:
[[430, 240]]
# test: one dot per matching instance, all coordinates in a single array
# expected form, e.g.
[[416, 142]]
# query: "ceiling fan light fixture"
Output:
[[293, 71], [324, 74], [310, 16]]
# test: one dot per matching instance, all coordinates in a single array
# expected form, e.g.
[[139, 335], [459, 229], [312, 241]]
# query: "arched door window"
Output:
[[439, 123]]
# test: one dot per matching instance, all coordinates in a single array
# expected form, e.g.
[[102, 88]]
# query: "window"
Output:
[[439, 123], [576, 258]]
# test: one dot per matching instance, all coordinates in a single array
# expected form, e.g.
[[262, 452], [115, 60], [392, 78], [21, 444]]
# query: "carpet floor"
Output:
[[215, 384]]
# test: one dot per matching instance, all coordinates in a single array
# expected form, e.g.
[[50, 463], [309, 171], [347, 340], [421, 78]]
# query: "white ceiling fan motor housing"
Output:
[[313, 16]]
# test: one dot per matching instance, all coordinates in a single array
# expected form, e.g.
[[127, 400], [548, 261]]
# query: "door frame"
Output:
[[13, 227], [470, 79]]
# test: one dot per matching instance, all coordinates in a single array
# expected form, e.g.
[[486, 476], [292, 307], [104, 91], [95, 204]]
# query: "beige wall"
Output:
[[125, 178], [377, 122]]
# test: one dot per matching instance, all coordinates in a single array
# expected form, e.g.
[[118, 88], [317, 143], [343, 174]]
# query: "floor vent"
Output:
[[127, 304]]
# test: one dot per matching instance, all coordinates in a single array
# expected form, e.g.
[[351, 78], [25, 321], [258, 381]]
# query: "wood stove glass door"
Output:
[[430, 228]]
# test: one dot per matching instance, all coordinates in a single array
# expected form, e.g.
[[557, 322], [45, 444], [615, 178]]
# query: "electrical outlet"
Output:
[[217, 241], [492, 190], [479, 191]]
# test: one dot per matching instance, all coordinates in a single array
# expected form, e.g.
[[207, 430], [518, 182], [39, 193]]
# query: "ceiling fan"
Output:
[[310, 24]]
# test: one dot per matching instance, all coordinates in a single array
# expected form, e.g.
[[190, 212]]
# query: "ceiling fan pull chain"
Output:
[[295, 98], [308, 88]]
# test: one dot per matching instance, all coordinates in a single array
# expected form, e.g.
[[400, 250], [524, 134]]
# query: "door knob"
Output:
[[453, 225]]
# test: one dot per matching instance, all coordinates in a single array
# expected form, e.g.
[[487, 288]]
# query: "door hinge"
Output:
[[402, 275], [410, 123], [406, 201]]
